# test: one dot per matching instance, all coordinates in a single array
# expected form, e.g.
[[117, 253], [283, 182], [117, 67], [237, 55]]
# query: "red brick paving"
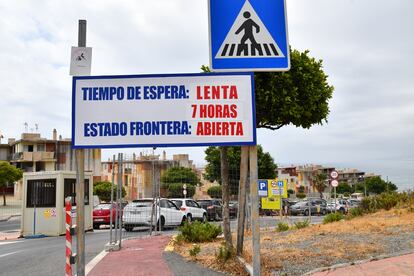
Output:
[[401, 266], [137, 257]]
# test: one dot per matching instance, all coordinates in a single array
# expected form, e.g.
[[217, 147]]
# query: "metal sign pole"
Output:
[[80, 185], [255, 210], [281, 204], [112, 201], [120, 170]]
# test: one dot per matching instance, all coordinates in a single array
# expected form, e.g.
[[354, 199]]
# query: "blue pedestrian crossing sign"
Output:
[[248, 35]]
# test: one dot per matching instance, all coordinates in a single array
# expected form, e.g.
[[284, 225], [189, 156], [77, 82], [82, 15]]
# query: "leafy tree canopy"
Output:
[[180, 175], [266, 165], [376, 185], [343, 188], [9, 173], [103, 190], [319, 181], [299, 96]]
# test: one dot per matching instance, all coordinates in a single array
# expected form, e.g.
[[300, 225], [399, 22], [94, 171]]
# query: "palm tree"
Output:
[[319, 182]]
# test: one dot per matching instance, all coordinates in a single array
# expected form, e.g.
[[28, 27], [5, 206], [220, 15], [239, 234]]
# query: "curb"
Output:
[[95, 261], [377, 258], [8, 218], [247, 266]]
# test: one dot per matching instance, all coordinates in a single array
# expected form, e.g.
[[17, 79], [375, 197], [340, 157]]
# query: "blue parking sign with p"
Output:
[[248, 35], [280, 183], [262, 187]]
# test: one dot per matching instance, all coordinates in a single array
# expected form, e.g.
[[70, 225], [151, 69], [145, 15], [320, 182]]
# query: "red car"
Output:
[[102, 214]]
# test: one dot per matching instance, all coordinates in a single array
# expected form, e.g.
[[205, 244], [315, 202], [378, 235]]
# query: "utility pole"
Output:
[[80, 184]]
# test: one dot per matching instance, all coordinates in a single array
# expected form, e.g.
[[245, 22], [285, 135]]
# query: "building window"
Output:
[[40, 147], [41, 193], [70, 190]]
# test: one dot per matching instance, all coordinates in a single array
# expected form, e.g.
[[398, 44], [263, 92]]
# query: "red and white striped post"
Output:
[[68, 204]]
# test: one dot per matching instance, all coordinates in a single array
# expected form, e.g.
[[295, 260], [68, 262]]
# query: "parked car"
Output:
[[302, 207], [341, 206], [213, 207], [233, 208], [138, 213], [102, 214], [192, 209]]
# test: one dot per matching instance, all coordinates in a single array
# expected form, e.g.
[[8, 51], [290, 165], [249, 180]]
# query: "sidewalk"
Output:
[[402, 265], [146, 256]]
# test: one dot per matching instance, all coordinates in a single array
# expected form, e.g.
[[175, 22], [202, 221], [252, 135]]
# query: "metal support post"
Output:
[[112, 201], [80, 183], [119, 203], [255, 210]]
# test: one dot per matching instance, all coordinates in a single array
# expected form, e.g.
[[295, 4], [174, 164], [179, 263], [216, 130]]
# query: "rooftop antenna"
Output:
[[26, 125]]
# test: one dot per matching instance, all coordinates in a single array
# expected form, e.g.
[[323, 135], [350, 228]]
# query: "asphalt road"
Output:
[[11, 225]]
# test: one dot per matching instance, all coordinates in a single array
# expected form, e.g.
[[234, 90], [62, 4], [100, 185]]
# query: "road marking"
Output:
[[7, 254], [10, 242]]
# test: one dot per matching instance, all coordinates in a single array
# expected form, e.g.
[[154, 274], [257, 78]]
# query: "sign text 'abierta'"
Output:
[[163, 110]]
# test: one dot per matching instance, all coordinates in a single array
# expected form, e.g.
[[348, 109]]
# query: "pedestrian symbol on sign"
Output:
[[248, 38]]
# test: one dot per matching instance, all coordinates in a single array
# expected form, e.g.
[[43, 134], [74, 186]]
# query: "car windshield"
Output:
[[142, 203], [179, 203], [303, 203], [103, 206]]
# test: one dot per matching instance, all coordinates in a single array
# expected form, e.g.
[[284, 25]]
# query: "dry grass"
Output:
[[321, 242]]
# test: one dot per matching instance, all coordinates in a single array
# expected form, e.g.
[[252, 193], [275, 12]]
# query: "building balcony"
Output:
[[33, 156]]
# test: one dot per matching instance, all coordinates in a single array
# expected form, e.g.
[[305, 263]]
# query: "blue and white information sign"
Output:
[[248, 35], [163, 110], [262, 187]]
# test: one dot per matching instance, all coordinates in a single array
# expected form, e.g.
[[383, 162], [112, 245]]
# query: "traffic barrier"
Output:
[[68, 205]]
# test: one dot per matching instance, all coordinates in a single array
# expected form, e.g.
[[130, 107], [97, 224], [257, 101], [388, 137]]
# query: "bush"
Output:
[[355, 212], [224, 253], [300, 195], [195, 251], [199, 232], [302, 224], [282, 226], [332, 217], [214, 192]]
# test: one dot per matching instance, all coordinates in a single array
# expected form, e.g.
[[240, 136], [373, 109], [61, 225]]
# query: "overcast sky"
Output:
[[366, 45]]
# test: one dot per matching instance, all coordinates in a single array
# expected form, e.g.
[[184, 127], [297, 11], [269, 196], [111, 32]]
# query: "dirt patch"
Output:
[[296, 252]]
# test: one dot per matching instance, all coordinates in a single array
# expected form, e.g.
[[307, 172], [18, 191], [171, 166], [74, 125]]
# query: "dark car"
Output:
[[213, 207], [233, 208], [102, 214]]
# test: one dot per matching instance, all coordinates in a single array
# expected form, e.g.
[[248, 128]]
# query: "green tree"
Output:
[[377, 186], [343, 188], [174, 178], [180, 175], [175, 190], [266, 165], [8, 175], [299, 96], [103, 190], [214, 192], [319, 182]]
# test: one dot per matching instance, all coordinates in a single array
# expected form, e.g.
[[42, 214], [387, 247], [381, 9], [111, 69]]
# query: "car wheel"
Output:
[[216, 217], [128, 228], [162, 224], [306, 213], [96, 226], [342, 210], [204, 218], [183, 220], [189, 218], [323, 212]]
